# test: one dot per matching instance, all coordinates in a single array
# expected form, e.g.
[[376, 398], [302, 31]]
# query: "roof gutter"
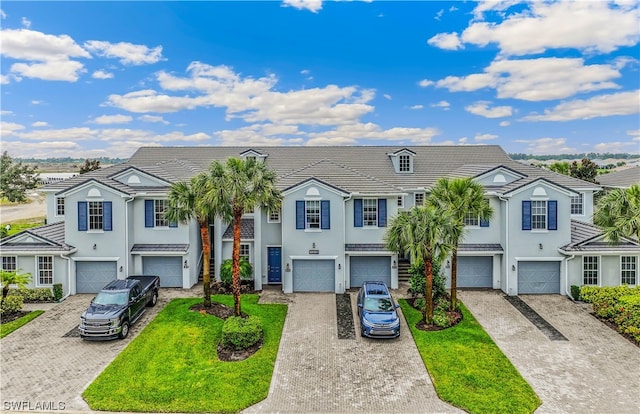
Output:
[[68, 259]]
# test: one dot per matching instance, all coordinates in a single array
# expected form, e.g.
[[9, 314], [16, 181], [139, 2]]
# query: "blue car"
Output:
[[377, 311]]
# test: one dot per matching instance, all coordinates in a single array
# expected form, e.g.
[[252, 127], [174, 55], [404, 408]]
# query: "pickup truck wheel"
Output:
[[125, 330], [154, 299]]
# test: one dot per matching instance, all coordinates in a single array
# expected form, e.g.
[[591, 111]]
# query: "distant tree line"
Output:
[[62, 160], [589, 155]]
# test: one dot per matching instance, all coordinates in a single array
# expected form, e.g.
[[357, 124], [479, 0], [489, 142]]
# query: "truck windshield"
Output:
[[111, 298]]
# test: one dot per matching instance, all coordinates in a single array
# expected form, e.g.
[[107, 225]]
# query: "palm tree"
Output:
[[463, 197], [235, 187], [187, 202], [422, 232], [12, 278], [618, 213]]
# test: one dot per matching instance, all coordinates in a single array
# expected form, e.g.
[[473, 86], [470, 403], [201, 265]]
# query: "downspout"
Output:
[[506, 242], [126, 234], [68, 259], [344, 240], [566, 274]]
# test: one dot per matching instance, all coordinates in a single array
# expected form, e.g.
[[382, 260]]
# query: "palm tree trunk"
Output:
[[454, 277], [428, 294], [237, 217], [206, 273]]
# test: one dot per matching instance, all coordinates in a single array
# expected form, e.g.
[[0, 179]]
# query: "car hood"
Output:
[[103, 311], [381, 317]]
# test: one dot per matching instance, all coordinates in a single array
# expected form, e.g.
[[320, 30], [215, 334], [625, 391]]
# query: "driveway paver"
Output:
[[44, 369], [595, 371], [317, 372]]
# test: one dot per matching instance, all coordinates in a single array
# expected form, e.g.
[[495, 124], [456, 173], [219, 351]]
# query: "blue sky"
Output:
[[93, 79]]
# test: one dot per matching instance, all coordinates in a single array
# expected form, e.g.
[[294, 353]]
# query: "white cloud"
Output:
[[438, 15], [5, 112], [504, 123], [387, 96], [311, 5], [482, 108], [36, 102], [153, 118], [493, 5], [351, 134], [536, 79], [3, 15], [9, 128], [547, 146], [53, 70], [617, 147], [73, 134], [425, 82], [583, 25], [484, 137], [128, 53], [463, 140], [26, 23], [442, 104], [635, 133], [112, 119], [622, 103], [38, 124], [417, 107], [447, 41], [101, 74]]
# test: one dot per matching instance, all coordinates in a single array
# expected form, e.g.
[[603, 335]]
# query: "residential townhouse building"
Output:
[[329, 234]]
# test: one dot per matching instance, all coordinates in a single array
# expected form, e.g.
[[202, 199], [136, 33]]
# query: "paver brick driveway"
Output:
[[595, 371], [40, 365]]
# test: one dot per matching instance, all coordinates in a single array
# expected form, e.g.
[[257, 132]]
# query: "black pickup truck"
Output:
[[118, 305]]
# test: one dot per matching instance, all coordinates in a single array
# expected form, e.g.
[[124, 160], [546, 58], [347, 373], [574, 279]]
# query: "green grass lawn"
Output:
[[172, 366], [18, 225], [468, 369], [7, 328]]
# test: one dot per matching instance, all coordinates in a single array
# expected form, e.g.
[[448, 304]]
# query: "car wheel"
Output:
[[154, 299], [125, 330]]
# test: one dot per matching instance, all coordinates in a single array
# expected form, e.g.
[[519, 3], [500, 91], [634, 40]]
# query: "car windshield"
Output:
[[378, 305], [111, 298]]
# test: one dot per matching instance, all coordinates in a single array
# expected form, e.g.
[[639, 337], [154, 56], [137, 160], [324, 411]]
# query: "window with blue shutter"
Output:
[[325, 212], [148, 213], [107, 216], [382, 212], [552, 217], [299, 215], [357, 212], [526, 215], [484, 223], [82, 216]]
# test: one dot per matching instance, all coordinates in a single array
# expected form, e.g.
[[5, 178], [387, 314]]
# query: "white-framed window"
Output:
[[471, 220], [159, 210], [629, 270], [577, 204], [251, 158], [9, 263], [312, 214], [244, 251], [400, 201], [538, 215], [96, 215], [418, 199], [274, 217], [59, 206], [590, 270], [404, 163], [370, 212], [45, 270]]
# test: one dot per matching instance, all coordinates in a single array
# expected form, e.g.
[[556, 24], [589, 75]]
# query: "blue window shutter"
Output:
[[382, 212], [82, 216], [148, 213], [107, 224], [552, 214], [325, 214], [526, 215], [484, 223], [357, 212], [299, 215]]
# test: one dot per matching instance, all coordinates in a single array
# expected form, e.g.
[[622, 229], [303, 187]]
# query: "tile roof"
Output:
[[52, 236], [586, 237], [480, 247], [143, 248], [620, 179], [246, 230], [365, 247]]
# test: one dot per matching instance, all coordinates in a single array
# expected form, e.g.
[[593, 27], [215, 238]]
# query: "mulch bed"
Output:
[[455, 316], [614, 327], [13, 316]]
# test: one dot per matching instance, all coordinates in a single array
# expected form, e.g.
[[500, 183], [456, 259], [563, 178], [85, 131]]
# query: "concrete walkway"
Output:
[[317, 372], [595, 371]]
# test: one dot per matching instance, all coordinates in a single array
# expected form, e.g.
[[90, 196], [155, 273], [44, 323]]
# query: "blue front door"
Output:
[[274, 260]]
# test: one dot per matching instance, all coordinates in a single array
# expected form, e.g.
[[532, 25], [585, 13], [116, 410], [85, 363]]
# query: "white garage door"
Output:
[[538, 277], [363, 268], [91, 277], [475, 271], [169, 269], [314, 276]]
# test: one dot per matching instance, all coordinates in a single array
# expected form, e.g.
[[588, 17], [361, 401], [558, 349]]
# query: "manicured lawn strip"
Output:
[[468, 369], [7, 328], [172, 366]]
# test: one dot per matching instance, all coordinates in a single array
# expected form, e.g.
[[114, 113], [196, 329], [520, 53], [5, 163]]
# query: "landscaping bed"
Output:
[[173, 365], [618, 307]]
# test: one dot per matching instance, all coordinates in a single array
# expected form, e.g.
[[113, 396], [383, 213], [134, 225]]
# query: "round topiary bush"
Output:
[[240, 333]]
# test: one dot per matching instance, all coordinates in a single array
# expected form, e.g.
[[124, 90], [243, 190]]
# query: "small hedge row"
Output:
[[619, 305], [31, 295], [11, 304], [240, 333]]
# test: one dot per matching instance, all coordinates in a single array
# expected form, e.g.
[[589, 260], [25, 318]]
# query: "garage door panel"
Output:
[[363, 268], [475, 271], [91, 277], [168, 268], [313, 275], [539, 277]]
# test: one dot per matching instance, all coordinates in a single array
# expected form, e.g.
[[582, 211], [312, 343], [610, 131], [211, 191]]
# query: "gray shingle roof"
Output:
[[52, 236], [586, 237], [143, 248], [480, 247], [620, 179], [246, 230]]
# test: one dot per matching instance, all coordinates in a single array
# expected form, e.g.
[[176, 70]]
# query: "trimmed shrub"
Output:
[[417, 281], [627, 316], [57, 291], [605, 299], [30, 295], [575, 292], [240, 333], [226, 271], [11, 304]]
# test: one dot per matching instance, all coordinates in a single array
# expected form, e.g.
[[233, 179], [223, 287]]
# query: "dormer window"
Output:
[[404, 163], [254, 155]]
